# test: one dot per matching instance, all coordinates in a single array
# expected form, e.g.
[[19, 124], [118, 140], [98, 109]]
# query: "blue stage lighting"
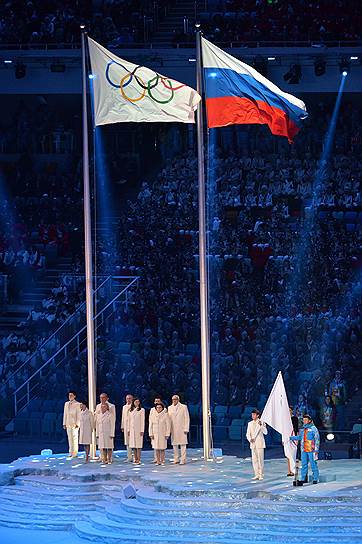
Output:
[[344, 67], [91, 76]]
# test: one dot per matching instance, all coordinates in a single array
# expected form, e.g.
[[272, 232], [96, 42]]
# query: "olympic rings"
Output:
[[146, 87], [170, 86], [155, 99], [124, 94]]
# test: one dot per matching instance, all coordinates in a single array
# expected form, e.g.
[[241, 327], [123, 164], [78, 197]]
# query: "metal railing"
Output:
[[190, 44], [60, 335], [70, 338]]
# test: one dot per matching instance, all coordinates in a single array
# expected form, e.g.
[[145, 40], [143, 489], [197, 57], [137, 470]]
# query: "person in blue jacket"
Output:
[[309, 438]]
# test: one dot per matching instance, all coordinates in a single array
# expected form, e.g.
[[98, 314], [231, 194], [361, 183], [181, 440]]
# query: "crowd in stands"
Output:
[[277, 21], [24, 350], [36, 126], [115, 22], [52, 21], [283, 296]]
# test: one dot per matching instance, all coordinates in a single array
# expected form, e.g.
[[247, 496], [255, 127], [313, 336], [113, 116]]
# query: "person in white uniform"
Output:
[[157, 400], [159, 429], [71, 417], [86, 427], [136, 429], [180, 426], [125, 415], [105, 423], [104, 399], [255, 435]]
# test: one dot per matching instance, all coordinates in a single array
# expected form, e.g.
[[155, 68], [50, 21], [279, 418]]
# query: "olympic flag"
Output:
[[276, 414], [124, 92]]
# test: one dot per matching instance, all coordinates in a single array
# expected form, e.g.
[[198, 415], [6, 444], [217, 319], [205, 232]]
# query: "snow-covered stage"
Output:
[[55, 501]]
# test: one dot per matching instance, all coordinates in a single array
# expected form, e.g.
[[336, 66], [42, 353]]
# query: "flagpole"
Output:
[[88, 250], [204, 310]]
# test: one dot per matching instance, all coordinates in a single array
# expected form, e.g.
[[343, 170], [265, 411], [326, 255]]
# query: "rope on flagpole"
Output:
[[204, 305], [88, 248]]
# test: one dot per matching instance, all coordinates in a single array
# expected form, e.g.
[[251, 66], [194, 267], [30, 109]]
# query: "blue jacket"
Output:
[[312, 438]]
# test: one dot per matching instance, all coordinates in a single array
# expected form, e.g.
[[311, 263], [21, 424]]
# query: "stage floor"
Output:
[[53, 500]]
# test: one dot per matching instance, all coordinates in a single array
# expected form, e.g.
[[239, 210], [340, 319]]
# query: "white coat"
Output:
[[180, 423], [136, 426], [86, 427], [159, 427], [71, 414], [125, 415], [112, 409], [256, 432], [105, 430]]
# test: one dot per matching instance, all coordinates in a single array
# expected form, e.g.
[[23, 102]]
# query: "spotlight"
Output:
[[330, 437], [8, 61], [91, 76], [344, 67], [320, 67], [20, 70], [294, 74], [57, 67]]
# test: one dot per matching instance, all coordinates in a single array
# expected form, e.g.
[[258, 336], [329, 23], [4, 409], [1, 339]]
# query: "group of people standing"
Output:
[[164, 423]]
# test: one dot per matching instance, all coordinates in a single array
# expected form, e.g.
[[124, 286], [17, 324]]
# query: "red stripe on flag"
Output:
[[234, 110]]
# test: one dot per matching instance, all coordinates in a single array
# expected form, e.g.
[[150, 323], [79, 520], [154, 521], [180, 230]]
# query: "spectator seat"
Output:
[[235, 429]]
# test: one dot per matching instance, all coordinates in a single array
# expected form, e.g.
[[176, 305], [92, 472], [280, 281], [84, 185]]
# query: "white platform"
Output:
[[52, 500]]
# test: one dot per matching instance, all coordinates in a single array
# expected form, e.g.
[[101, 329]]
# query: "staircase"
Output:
[[32, 296], [35, 294], [71, 337], [174, 22], [89, 502]]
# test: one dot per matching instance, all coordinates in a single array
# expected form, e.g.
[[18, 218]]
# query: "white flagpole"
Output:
[[204, 310], [88, 250]]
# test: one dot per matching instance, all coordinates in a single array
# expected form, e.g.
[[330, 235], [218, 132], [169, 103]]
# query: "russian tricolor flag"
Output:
[[238, 94]]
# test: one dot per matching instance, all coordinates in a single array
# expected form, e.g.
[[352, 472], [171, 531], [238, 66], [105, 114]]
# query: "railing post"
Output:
[[28, 392]]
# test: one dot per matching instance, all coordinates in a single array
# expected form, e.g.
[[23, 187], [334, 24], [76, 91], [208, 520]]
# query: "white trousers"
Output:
[[257, 457], [129, 453], [176, 453], [73, 435]]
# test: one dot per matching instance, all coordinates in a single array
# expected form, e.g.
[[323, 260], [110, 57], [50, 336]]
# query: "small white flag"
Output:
[[276, 413], [124, 92]]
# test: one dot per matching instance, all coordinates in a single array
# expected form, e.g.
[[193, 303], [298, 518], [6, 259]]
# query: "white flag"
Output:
[[276, 413], [125, 92]]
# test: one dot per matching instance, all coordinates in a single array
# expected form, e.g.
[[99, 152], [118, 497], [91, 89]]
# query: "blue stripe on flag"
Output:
[[225, 82]]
